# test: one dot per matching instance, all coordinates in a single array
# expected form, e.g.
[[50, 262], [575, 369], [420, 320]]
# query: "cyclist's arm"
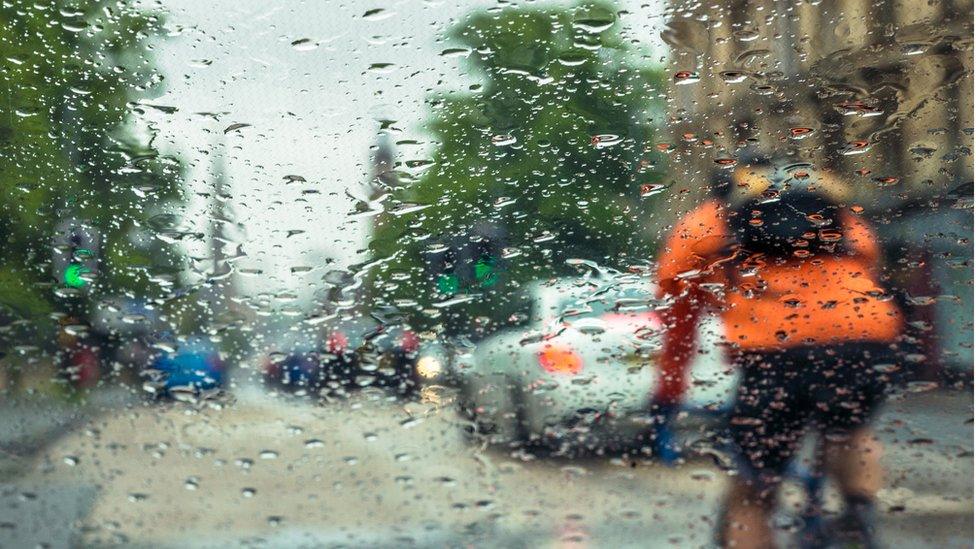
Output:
[[687, 251], [681, 321]]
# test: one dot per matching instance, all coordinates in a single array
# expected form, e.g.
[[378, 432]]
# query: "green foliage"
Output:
[[555, 80], [70, 76]]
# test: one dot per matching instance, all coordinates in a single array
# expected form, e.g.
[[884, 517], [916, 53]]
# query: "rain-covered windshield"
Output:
[[486, 273]]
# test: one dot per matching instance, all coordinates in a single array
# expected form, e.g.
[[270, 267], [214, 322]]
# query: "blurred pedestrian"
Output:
[[793, 275]]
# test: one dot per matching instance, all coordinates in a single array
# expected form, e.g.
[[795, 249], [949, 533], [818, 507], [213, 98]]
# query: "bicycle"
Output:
[[814, 529]]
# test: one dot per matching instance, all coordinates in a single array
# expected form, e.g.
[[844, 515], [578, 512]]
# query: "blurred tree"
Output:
[[71, 76], [547, 158]]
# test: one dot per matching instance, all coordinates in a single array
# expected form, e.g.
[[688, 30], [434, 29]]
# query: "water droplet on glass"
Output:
[[503, 201], [733, 77], [546, 236], [856, 147], [455, 52], [685, 77], [382, 67], [510, 252], [830, 235], [593, 25], [922, 151], [573, 59], [651, 189], [746, 35], [914, 49], [858, 108], [503, 140], [74, 26], [304, 44], [378, 14], [605, 140], [800, 132], [236, 126]]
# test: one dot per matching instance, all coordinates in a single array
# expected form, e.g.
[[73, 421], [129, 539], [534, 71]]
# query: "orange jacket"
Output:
[[817, 300]]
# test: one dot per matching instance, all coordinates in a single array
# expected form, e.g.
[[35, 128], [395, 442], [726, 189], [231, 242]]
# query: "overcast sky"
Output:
[[298, 74]]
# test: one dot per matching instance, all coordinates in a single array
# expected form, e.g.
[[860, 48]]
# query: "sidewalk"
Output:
[[28, 423]]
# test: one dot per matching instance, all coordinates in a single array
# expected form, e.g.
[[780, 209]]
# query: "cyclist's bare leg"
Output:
[[746, 521], [855, 463]]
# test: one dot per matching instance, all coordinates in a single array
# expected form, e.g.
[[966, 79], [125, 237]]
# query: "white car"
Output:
[[581, 374]]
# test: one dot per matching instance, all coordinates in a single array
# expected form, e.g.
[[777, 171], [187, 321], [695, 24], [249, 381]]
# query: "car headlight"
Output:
[[429, 367]]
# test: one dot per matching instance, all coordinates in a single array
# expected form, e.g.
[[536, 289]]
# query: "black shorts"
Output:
[[834, 389]]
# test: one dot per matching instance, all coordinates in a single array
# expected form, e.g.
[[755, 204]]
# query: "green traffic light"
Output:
[[485, 276], [484, 272], [74, 275], [448, 284]]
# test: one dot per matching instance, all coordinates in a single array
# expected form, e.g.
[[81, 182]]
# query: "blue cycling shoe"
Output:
[[664, 445], [661, 439]]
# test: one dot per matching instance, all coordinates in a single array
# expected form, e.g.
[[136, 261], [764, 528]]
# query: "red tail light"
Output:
[[409, 341], [560, 360], [336, 342]]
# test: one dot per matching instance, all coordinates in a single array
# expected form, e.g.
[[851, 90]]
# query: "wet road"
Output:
[[375, 472]]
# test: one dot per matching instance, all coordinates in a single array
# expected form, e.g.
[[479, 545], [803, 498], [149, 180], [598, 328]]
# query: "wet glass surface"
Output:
[[386, 274]]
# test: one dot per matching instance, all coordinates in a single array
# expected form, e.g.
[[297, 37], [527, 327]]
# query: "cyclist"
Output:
[[793, 276]]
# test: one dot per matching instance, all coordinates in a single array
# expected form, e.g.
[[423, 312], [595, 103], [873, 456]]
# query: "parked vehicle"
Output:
[[357, 353], [303, 363], [396, 351], [580, 375], [192, 369]]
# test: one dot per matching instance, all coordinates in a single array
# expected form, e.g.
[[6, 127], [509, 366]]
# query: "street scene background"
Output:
[[256, 254]]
